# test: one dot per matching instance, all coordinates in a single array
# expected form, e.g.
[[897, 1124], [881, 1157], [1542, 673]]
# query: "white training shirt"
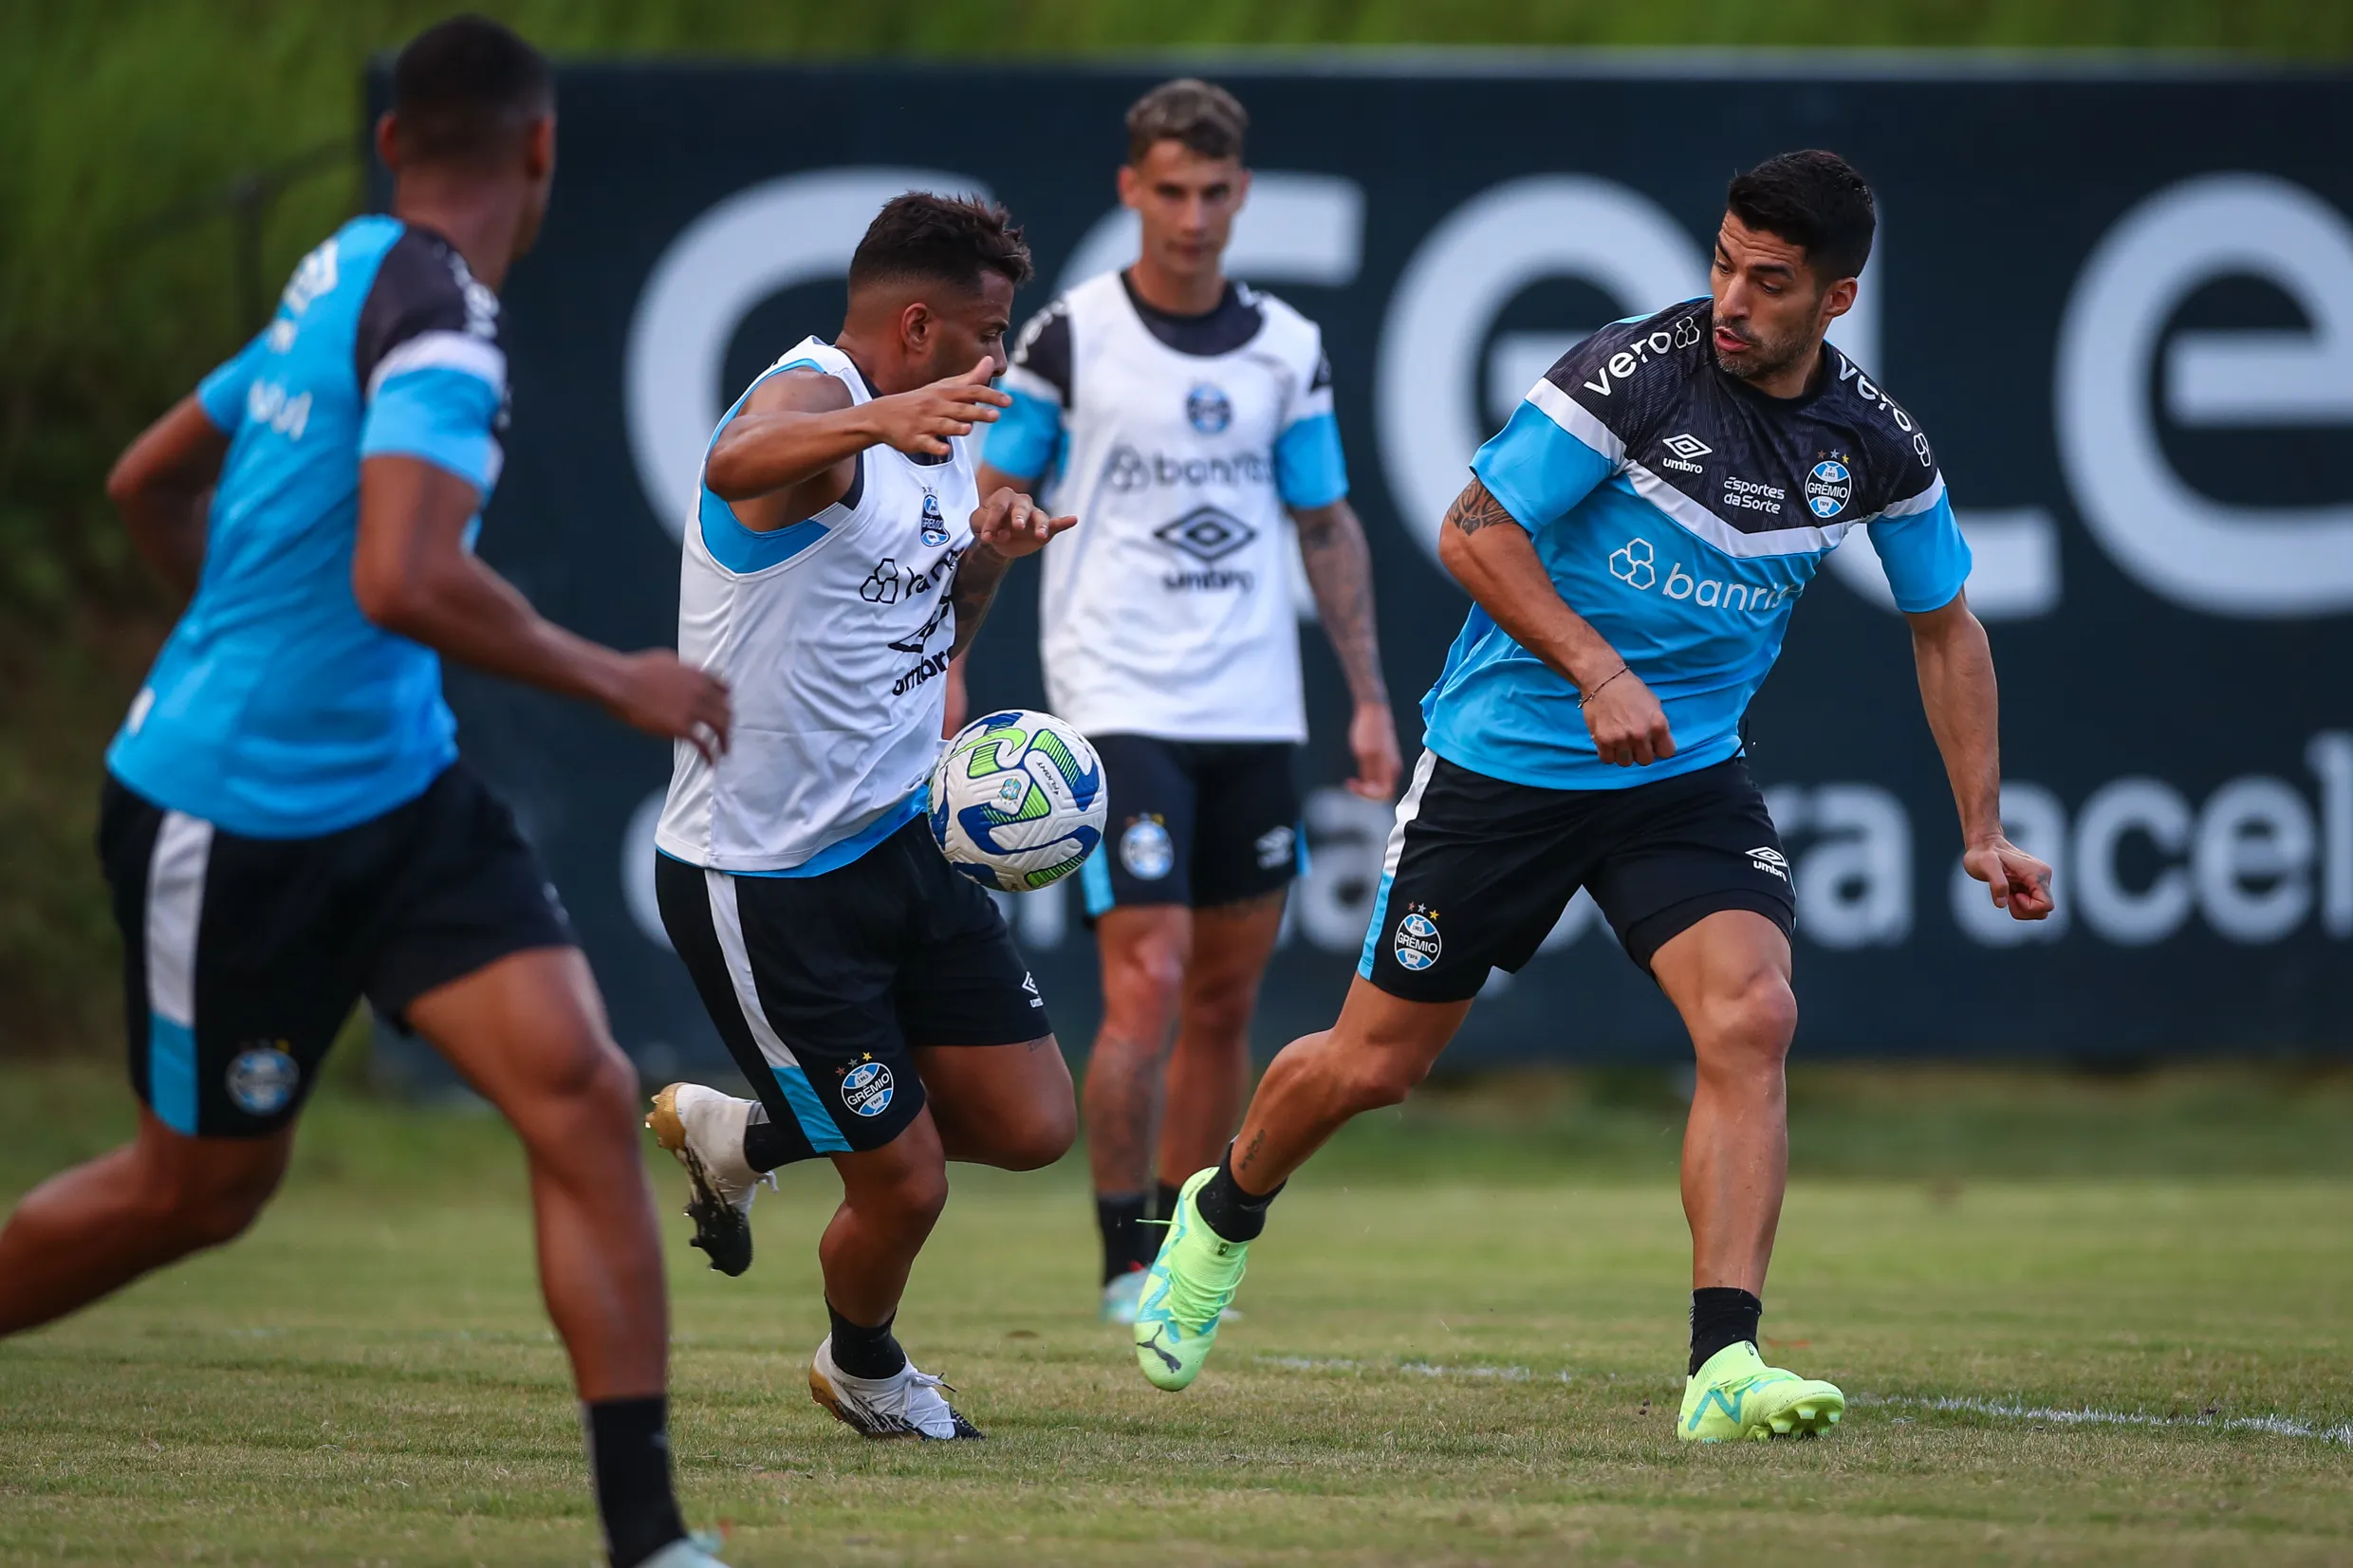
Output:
[[1178, 441], [832, 634]]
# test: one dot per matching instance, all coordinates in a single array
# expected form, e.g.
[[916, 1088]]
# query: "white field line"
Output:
[[2270, 1426], [1408, 1369]]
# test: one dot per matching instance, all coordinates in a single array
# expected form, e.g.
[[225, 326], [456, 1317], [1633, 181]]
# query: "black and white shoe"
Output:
[[704, 1129], [907, 1404]]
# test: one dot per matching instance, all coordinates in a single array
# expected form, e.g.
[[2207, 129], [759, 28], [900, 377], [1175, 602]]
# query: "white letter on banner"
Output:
[[2149, 806], [756, 243], [1487, 249], [2330, 755], [2256, 829], [2216, 556], [1855, 890]]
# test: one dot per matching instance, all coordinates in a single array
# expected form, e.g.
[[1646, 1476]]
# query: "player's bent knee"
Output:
[[1221, 1011], [1753, 1022], [1145, 993], [1383, 1075], [1044, 1137], [203, 1204]]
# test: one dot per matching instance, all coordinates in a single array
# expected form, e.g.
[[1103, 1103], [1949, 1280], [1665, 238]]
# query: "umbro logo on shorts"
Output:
[[1767, 859]]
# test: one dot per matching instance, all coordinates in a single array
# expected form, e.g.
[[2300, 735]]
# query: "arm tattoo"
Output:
[[975, 588], [1340, 570], [1475, 509]]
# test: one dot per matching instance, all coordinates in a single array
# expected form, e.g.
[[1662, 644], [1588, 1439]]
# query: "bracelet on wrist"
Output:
[[1595, 691]]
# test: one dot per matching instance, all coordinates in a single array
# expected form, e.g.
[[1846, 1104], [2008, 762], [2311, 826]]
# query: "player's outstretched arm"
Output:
[[162, 484], [1339, 571], [413, 574], [785, 455], [1957, 689], [1491, 555], [1005, 527]]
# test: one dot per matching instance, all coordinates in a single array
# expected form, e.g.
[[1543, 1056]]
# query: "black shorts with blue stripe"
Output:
[[1195, 823], [824, 986], [241, 957], [1480, 869]]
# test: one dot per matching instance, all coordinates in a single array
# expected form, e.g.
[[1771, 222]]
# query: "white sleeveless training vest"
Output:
[[1169, 611], [832, 634]]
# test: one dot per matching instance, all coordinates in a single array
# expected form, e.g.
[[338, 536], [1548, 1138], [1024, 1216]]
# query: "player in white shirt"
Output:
[[838, 557], [1184, 416]]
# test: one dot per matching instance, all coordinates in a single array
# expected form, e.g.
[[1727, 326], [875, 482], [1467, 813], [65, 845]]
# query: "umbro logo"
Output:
[[1686, 451], [1767, 859]]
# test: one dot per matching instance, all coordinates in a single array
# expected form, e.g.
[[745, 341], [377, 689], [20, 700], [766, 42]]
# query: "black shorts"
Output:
[[1200, 823], [1479, 870], [241, 957], [821, 986]]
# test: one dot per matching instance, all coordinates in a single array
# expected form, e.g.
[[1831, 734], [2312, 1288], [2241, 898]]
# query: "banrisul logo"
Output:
[[1828, 487], [1417, 942], [1637, 564]]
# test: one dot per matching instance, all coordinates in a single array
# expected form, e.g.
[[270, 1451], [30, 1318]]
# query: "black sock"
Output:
[[864, 1351], [1127, 1245], [1164, 1200], [629, 1455], [1231, 1213], [1721, 1316], [769, 1144]]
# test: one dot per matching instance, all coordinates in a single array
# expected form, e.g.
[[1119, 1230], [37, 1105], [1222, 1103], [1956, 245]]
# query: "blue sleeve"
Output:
[[1308, 468], [1537, 469], [223, 392], [1026, 438], [444, 415], [1926, 557]]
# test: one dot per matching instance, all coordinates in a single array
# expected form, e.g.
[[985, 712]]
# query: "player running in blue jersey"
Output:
[[287, 825], [1633, 540]]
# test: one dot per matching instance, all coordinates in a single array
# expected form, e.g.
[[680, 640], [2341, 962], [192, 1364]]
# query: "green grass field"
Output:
[[2082, 1322]]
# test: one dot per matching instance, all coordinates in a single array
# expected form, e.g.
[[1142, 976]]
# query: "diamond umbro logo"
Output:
[[1687, 446]]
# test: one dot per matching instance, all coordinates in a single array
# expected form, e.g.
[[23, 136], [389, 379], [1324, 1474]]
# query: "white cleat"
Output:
[[907, 1404], [705, 1130], [686, 1551], [1120, 1295]]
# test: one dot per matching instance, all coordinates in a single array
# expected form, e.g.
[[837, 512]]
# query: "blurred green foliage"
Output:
[[118, 115]]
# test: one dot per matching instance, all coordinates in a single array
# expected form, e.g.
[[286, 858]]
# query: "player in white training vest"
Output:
[[838, 557], [1186, 417]]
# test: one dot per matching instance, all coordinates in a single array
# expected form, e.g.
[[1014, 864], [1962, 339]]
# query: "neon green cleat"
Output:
[[1186, 1292], [1736, 1395]]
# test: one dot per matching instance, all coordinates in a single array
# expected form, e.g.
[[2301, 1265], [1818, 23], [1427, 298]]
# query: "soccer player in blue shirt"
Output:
[[287, 825], [1633, 540]]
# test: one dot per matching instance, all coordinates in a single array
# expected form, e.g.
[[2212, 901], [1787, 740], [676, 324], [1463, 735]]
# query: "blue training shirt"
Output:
[[1681, 513], [276, 710]]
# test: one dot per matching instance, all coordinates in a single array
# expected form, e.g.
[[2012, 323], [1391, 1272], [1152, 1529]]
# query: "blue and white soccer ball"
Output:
[[1017, 800]]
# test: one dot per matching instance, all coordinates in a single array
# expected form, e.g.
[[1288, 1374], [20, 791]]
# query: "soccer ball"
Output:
[[1017, 800]]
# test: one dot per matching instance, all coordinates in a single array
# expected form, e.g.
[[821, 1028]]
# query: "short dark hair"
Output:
[[464, 89], [1206, 118], [1814, 200], [945, 239]]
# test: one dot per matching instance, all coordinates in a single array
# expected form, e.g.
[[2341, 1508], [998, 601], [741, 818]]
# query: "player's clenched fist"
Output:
[[1629, 727], [921, 422], [1013, 525]]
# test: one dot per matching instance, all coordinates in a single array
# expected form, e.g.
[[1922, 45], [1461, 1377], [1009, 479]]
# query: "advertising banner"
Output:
[[2121, 304]]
